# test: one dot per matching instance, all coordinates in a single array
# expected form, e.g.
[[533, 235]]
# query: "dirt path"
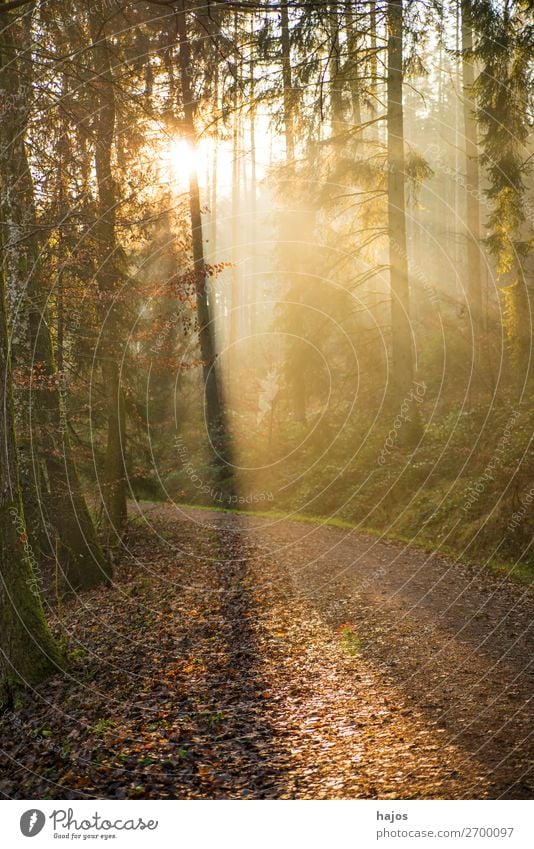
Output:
[[446, 646], [215, 667]]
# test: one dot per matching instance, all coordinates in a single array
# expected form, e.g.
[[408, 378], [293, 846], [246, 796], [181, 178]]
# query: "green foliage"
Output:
[[350, 640], [503, 89]]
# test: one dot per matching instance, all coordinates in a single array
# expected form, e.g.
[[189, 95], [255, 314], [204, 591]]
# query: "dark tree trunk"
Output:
[[474, 265], [336, 80], [109, 280], [235, 300], [353, 61], [80, 555], [401, 333], [287, 77], [212, 390], [27, 650]]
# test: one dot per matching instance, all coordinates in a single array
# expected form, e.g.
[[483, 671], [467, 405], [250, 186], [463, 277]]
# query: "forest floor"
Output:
[[245, 657]]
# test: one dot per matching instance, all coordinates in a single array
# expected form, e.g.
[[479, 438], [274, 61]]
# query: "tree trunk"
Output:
[[235, 299], [296, 373], [80, 555], [212, 228], [336, 82], [216, 423], [253, 222], [352, 60], [373, 86], [401, 335], [27, 650], [472, 211], [109, 280], [288, 87]]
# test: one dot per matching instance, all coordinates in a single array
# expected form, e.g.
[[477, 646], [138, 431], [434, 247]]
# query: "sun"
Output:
[[180, 159], [184, 160]]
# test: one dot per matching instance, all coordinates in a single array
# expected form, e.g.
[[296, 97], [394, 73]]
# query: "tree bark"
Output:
[[353, 59], [109, 280], [28, 652], [253, 222], [80, 555], [235, 299], [216, 424], [336, 81], [296, 372], [373, 86], [401, 335], [287, 80], [472, 206]]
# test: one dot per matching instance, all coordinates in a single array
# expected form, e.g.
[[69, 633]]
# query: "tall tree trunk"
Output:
[[287, 80], [287, 226], [402, 349], [373, 86], [352, 59], [109, 279], [217, 430], [27, 650], [253, 223], [472, 212], [235, 300], [456, 250], [215, 300], [212, 228], [79, 552], [336, 82]]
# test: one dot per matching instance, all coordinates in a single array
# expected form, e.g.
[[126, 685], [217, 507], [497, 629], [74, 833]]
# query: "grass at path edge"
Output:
[[519, 572]]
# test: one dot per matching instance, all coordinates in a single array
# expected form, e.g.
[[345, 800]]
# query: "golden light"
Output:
[[179, 159], [183, 160]]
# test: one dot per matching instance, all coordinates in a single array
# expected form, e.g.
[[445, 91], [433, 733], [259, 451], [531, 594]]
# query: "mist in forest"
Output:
[[273, 257], [267, 419]]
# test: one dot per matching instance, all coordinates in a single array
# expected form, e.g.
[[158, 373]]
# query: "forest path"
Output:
[[216, 667], [445, 655]]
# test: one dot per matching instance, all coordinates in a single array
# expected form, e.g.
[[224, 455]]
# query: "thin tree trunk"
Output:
[[402, 353], [213, 182], [287, 219], [336, 83], [474, 265], [352, 51], [212, 391], [455, 206], [236, 189], [214, 298], [373, 84], [288, 87], [253, 223]]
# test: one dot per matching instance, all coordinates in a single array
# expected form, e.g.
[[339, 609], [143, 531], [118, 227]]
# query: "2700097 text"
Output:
[[465, 832]]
